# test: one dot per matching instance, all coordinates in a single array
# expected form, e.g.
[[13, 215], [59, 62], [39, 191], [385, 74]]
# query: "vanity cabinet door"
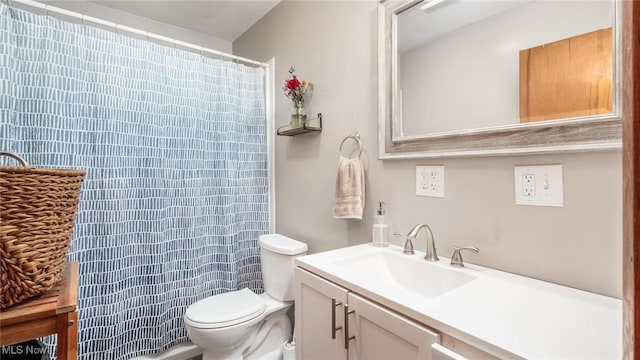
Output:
[[319, 318], [382, 334]]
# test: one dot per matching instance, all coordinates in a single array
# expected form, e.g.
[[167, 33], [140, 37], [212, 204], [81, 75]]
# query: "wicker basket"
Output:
[[37, 214]]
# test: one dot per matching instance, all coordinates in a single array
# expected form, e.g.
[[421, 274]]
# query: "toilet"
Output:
[[243, 325]]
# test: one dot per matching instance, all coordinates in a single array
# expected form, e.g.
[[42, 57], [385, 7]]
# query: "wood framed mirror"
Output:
[[498, 100]]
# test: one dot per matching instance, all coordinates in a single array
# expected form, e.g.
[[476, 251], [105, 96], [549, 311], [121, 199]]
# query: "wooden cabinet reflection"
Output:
[[567, 78]]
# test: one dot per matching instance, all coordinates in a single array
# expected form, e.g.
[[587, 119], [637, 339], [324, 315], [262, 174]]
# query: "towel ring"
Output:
[[355, 136]]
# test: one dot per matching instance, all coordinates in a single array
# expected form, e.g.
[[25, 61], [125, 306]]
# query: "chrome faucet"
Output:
[[431, 254], [456, 258], [408, 245]]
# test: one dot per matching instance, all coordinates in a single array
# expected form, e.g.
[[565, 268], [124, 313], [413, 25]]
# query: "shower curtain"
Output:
[[176, 192]]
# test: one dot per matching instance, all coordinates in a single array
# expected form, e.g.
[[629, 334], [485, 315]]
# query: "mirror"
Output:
[[491, 77]]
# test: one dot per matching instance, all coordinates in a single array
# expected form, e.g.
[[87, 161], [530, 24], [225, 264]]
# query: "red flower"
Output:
[[293, 84], [296, 90]]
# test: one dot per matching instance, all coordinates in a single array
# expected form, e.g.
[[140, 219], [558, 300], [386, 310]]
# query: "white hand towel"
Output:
[[349, 194]]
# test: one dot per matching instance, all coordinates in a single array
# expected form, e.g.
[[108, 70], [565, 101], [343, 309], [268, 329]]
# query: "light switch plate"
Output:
[[539, 185], [430, 180]]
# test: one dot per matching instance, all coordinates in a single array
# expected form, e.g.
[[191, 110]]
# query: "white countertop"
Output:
[[504, 314]]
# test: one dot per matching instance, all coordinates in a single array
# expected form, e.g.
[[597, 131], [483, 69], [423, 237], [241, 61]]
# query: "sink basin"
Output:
[[406, 272]]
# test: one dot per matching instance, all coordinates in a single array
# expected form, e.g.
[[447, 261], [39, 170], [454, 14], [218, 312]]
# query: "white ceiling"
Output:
[[225, 20]]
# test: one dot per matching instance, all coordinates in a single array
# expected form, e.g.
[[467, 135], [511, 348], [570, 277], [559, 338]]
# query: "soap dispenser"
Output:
[[380, 228]]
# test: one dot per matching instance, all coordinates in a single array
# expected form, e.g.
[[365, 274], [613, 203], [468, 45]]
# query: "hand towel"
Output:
[[349, 196]]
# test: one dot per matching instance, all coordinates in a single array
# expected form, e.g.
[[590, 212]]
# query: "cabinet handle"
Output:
[[347, 338], [334, 305]]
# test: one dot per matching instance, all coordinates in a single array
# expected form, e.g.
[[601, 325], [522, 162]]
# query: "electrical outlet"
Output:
[[430, 180], [539, 185], [529, 185], [434, 180]]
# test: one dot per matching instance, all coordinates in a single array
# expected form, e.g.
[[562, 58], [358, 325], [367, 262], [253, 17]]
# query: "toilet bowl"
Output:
[[241, 324]]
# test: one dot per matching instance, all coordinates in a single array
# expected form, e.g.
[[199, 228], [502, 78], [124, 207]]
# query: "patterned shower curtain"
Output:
[[176, 192]]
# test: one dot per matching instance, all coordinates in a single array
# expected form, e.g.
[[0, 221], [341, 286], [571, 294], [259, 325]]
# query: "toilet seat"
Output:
[[225, 310]]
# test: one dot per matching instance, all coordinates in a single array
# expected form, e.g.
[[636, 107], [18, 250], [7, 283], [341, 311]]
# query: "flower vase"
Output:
[[298, 115]]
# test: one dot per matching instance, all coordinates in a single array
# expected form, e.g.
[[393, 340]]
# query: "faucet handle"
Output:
[[408, 245], [456, 258]]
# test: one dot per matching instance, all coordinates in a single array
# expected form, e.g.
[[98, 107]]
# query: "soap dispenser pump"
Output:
[[380, 228]]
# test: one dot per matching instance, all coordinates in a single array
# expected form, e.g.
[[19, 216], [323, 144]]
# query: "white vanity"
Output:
[[365, 302]]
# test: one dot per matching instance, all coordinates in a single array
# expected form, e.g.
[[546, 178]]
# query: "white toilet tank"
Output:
[[276, 256]]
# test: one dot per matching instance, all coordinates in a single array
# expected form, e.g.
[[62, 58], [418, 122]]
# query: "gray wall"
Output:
[[334, 44]]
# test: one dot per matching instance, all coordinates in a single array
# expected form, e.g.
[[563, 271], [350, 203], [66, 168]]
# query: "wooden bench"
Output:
[[55, 312]]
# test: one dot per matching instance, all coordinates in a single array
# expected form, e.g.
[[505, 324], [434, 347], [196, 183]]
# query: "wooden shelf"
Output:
[[307, 128], [54, 312]]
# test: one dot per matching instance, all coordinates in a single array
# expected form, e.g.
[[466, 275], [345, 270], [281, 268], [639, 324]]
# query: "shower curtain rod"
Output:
[[118, 27]]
